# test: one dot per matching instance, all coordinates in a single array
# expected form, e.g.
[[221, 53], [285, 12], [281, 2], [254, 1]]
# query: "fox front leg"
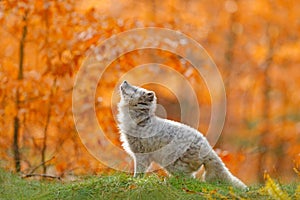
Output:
[[141, 164]]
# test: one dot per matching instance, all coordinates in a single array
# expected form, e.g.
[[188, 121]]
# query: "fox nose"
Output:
[[125, 83]]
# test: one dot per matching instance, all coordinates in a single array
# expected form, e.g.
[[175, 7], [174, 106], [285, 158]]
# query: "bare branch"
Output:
[[41, 164], [41, 175]]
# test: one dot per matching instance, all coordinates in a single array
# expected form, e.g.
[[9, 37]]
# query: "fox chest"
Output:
[[146, 145]]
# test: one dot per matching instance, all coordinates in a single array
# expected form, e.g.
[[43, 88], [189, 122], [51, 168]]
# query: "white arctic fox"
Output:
[[178, 148]]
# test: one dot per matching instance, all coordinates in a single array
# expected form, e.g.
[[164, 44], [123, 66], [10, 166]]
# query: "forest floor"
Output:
[[124, 186]]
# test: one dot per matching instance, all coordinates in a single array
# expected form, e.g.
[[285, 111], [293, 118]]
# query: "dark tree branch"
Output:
[[41, 175], [41, 164]]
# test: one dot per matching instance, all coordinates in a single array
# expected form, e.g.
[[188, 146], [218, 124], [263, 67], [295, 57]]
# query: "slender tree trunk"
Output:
[[266, 107], [231, 41], [263, 147], [282, 143], [48, 117], [16, 144], [229, 62], [16, 148]]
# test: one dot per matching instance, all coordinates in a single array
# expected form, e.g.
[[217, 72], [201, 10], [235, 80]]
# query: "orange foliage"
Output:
[[255, 44]]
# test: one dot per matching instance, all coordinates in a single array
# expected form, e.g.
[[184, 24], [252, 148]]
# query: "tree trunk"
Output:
[[266, 107], [45, 138], [16, 148], [231, 39], [44, 148]]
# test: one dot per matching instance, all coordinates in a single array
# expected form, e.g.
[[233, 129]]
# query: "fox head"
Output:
[[137, 98]]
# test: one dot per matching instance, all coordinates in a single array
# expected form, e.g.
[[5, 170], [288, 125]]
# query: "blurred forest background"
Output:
[[255, 44]]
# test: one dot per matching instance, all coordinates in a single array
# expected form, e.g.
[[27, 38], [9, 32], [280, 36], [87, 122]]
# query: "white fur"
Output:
[[177, 147]]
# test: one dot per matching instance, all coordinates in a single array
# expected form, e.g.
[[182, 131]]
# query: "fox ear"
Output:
[[150, 96]]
